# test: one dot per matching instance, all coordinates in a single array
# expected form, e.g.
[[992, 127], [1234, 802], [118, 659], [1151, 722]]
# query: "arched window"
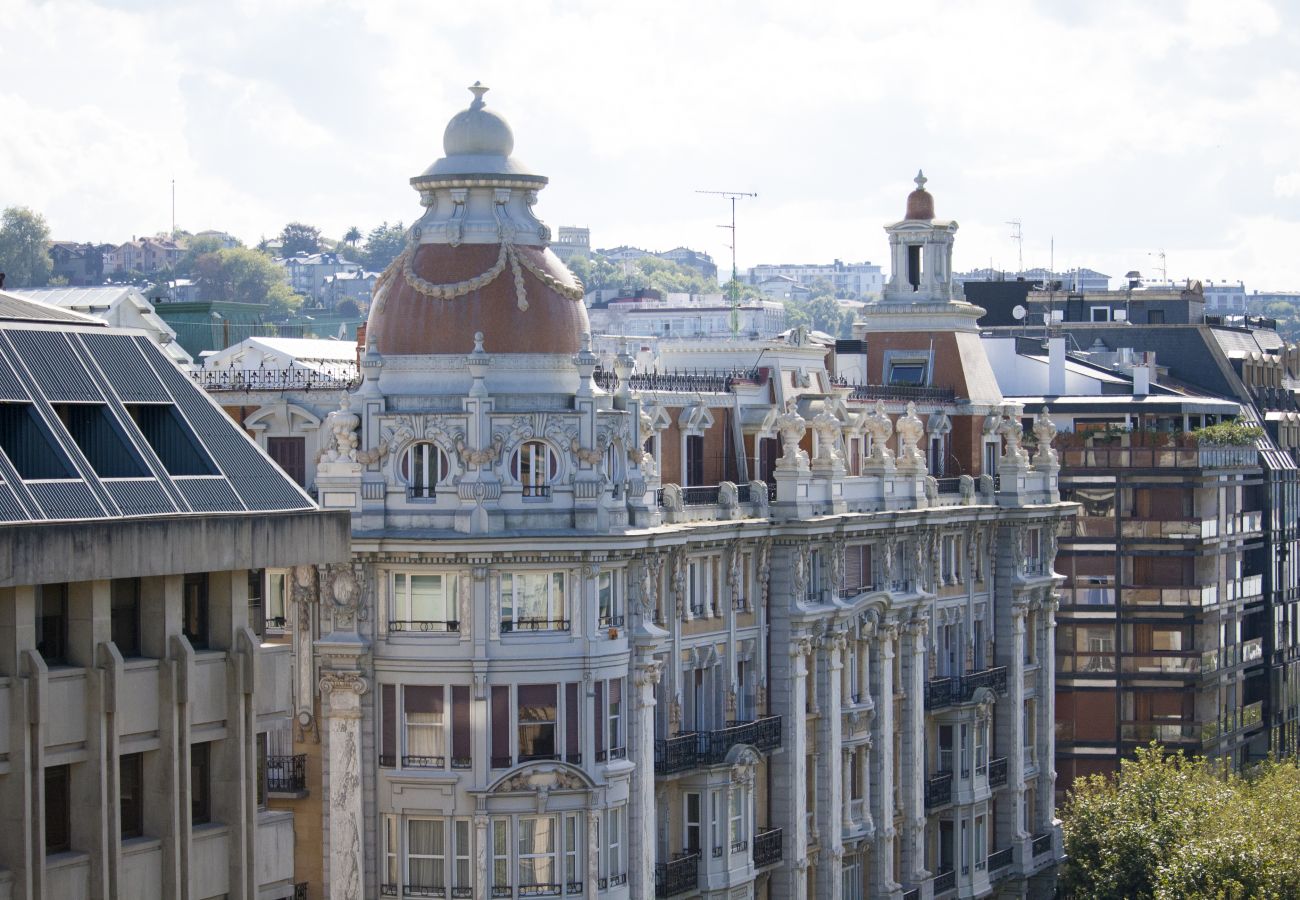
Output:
[[423, 466], [535, 466]]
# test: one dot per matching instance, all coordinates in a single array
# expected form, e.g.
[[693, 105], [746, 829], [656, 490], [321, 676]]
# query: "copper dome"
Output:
[[410, 317], [920, 203]]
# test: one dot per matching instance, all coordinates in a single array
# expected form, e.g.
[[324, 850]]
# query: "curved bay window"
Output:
[[423, 466], [535, 465]]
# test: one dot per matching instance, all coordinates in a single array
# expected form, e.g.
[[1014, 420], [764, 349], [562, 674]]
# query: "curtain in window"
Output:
[[537, 718], [427, 599], [424, 843], [423, 707], [537, 850]]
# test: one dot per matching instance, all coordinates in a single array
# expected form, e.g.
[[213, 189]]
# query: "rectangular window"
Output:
[[391, 850], [195, 609], [130, 788], [501, 758], [696, 576], [694, 460], [537, 852], [126, 615], [716, 819], [290, 454], [463, 873], [388, 725], [200, 784], [572, 749], [501, 855], [538, 717], [611, 609], [1099, 313], [52, 623], [58, 822], [460, 727], [981, 847], [738, 831], [425, 854], [907, 372], [424, 603], [614, 864], [533, 601], [277, 595], [615, 718], [422, 707], [572, 853], [691, 835]]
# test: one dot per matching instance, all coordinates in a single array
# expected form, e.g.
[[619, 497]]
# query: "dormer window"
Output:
[[906, 372], [535, 466], [423, 466]]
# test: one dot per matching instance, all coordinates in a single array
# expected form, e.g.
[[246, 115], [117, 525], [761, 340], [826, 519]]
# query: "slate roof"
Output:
[[97, 423]]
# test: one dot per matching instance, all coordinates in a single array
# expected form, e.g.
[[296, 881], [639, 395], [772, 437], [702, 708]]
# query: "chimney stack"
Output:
[[1141, 381], [1055, 366]]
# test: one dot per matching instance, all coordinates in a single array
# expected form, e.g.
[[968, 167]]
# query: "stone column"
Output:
[[846, 800], [882, 766], [341, 691], [830, 787], [641, 837], [1045, 815], [593, 854], [1011, 732], [788, 799], [481, 876], [913, 759]]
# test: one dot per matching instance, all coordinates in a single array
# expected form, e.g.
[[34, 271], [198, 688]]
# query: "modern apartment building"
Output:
[[848, 279], [135, 688], [618, 634]]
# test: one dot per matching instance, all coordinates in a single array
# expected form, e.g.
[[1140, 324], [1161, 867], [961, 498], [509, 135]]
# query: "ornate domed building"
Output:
[[626, 635]]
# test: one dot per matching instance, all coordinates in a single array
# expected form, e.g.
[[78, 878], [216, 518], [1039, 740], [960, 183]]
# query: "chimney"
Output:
[[1141, 381], [1055, 366]]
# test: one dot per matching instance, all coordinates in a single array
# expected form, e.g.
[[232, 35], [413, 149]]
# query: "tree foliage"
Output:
[[1229, 434], [649, 272], [299, 238], [383, 245], [351, 236], [244, 276], [1172, 828], [24, 248]]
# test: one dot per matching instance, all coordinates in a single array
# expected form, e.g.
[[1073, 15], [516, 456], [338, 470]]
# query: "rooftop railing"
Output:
[[274, 380], [715, 381], [901, 392], [1106, 457]]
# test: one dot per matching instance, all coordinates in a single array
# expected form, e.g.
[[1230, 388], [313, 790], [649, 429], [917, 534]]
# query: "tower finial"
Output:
[[920, 180], [478, 89]]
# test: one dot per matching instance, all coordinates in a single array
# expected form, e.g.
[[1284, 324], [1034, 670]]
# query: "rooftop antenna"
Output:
[[1018, 236], [173, 207], [1164, 270], [733, 196]]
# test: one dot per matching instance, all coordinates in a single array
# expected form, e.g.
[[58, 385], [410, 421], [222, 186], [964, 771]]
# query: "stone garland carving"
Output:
[[734, 555], [550, 778], [649, 585], [799, 570], [835, 563], [887, 563], [344, 785], [792, 427], [764, 569], [508, 256], [679, 583], [481, 456]]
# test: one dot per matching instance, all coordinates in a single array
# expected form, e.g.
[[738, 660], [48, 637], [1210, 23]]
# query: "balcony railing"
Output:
[[541, 889], [717, 381], [710, 748], [945, 880], [998, 771], [938, 790], [679, 876], [941, 692], [273, 380], [424, 762], [1157, 457], [767, 847], [1174, 595], [901, 392], [286, 774], [700, 495], [300, 891], [511, 625], [1042, 843], [423, 625], [999, 859]]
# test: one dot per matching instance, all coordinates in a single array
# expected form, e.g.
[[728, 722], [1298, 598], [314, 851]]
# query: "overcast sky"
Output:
[[1119, 128]]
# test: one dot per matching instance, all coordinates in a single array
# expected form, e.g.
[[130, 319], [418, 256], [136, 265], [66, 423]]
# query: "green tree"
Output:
[[244, 276], [1172, 828], [196, 247], [595, 272], [299, 238], [383, 245], [351, 236], [24, 248]]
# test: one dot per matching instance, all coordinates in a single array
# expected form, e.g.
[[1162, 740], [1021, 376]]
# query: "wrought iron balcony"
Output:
[[300, 891], [1042, 843], [938, 790], [677, 754], [998, 772], [530, 624], [422, 625], [999, 859], [424, 890], [945, 881], [710, 748], [541, 889], [679, 876], [767, 847], [286, 774], [942, 692], [424, 762]]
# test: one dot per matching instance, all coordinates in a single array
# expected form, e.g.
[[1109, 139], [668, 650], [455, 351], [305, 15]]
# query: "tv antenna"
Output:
[[1164, 270], [733, 196], [1018, 236]]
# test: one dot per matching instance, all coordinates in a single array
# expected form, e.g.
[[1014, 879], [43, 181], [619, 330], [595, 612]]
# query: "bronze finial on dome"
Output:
[[920, 203]]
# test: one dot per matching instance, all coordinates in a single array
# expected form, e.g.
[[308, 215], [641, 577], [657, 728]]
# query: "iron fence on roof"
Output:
[[274, 380]]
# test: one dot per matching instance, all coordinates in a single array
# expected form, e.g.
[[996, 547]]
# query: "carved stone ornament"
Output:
[[792, 427], [343, 589], [480, 456], [828, 429], [341, 434], [1015, 454], [542, 778], [331, 682], [880, 429], [1045, 431], [910, 430]]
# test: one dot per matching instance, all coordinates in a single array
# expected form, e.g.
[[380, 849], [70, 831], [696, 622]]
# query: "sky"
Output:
[[1111, 130]]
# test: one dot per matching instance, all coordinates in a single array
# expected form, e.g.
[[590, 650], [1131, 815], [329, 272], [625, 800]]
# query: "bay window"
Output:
[[537, 849], [501, 856], [609, 720], [392, 852], [738, 831], [462, 875], [533, 601], [425, 854], [422, 708], [423, 602], [609, 601], [538, 718], [572, 853], [615, 862]]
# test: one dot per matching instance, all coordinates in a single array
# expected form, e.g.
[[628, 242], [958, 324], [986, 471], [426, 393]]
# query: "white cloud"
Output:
[[1119, 127]]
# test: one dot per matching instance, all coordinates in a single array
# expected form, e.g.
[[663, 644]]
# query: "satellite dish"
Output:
[[1018, 312]]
